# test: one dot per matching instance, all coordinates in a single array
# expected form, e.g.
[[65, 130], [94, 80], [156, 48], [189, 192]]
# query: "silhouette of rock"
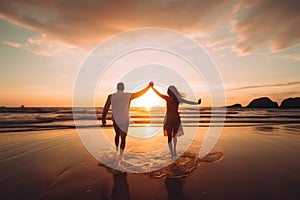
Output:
[[237, 105], [3, 108], [263, 102], [291, 103]]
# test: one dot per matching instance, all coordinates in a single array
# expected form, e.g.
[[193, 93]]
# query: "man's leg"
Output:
[[117, 135], [123, 141]]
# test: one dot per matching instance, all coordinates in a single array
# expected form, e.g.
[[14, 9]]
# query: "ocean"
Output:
[[51, 118]]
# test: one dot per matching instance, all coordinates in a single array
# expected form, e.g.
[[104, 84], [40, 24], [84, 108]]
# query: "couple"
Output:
[[120, 102]]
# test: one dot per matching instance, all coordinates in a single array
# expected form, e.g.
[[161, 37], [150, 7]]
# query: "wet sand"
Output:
[[257, 162]]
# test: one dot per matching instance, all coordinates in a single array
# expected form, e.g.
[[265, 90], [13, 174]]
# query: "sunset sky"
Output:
[[254, 44]]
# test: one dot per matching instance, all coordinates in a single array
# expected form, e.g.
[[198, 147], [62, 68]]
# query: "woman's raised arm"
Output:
[[159, 94], [181, 100]]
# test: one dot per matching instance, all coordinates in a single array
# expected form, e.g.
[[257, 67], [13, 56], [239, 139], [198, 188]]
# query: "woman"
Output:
[[172, 124]]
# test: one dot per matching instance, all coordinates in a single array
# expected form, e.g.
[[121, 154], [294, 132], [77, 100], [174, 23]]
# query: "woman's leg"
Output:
[[175, 143], [170, 141], [175, 137]]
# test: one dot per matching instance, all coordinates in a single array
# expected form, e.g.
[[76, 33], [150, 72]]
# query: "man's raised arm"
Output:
[[141, 92], [105, 109]]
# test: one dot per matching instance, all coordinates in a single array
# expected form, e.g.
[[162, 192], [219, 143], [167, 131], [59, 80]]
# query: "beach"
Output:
[[256, 162], [150, 100]]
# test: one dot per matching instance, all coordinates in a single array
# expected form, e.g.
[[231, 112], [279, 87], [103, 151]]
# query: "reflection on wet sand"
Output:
[[184, 165], [173, 175], [120, 190], [174, 187]]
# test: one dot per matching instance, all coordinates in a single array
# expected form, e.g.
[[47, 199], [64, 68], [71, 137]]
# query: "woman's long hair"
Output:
[[173, 92]]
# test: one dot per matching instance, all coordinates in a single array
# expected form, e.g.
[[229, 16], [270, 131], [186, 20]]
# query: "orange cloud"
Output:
[[13, 44], [267, 85], [256, 24], [85, 23], [41, 45], [267, 23]]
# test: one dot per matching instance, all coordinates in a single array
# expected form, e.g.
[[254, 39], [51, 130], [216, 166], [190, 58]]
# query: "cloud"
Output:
[[272, 24], [253, 25], [85, 23], [26, 46], [266, 85], [291, 57], [13, 44], [41, 45], [295, 57]]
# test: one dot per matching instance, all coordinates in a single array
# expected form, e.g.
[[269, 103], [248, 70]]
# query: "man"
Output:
[[120, 103]]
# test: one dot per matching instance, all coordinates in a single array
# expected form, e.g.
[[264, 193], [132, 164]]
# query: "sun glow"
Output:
[[148, 100]]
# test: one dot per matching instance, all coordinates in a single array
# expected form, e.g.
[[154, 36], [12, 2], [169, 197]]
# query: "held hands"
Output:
[[151, 84]]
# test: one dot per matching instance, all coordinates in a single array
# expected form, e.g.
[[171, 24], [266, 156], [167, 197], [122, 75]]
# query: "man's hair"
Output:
[[120, 86]]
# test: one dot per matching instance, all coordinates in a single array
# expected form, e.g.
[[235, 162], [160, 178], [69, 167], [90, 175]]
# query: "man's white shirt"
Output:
[[120, 103]]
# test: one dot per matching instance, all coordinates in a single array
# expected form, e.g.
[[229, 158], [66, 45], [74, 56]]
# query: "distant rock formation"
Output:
[[291, 103], [237, 105], [2, 108], [263, 102]]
